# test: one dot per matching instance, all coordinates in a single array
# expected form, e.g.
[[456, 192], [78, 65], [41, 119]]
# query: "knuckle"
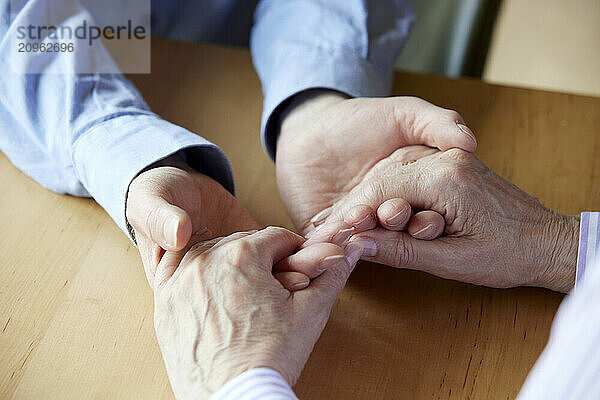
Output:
[[374, 189], [446, 173], [200, 264], [457, 154], [458, 165], [403, 253], [237, 251], [453, 115], [277, 230]]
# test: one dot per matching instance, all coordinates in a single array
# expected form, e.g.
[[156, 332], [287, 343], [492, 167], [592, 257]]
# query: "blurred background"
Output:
[[542, 44]]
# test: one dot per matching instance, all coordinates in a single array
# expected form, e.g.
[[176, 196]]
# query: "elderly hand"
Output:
[[495, 234], [166, 205], [328, 143], [219, 311]]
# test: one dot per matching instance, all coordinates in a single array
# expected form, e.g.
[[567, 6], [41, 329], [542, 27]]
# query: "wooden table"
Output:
[[76, 312]]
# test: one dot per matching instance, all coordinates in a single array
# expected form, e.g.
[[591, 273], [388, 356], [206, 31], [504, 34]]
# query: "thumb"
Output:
[[165, 224], [172, 259], [432, 125], [273, 244], [320, 295], [410, 188], [441, 256]]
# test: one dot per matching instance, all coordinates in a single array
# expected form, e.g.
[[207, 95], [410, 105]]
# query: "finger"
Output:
[[401, 250], [232, 237], [292, 281], [149, 255], [167, 267], [323, 290], [172, 259], [399, 181], [165, 224], [311, 261], [411, 183], [432, 125], [426, 225], [198, 244], [361, 217], [358, 247], [337, 232], [273, 244], [394, 214], [320, 217]]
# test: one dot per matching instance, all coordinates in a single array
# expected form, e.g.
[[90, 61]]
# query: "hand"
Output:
[[219, 311], [328, 143], [167, 205], [495, 234]]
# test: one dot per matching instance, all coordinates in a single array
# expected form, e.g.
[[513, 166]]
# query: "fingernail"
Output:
[[336, 257], [300, 285], [170, 230], [358, 225], [317, 229], [396, 218], [420, 233], [353, 252], [466, 130], [327, 262], [343, 235], [368, 245], [321, 215]]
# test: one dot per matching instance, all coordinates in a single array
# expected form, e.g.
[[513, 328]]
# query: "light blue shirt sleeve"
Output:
[[345, 45], [85, 134]]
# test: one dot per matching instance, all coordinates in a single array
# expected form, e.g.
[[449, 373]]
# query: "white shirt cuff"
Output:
[[589, 243], [254, 384]]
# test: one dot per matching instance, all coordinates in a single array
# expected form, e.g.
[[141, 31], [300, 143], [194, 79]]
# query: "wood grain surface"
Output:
[[76, 312]]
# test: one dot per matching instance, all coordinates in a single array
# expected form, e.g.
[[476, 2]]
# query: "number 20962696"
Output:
[[45, 47]]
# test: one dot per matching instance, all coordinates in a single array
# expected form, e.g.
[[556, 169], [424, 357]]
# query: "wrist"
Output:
[[558, 262], [304, 106]]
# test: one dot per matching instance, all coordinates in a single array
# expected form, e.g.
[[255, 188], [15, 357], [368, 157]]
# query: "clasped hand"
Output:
[[390, 180], [376, 168], [219, 310]]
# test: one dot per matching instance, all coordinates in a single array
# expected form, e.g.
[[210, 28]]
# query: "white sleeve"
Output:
[[254, 384], [569, 367]]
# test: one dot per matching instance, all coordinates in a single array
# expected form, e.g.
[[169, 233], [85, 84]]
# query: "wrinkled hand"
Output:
[[219, 311], [167, 205], [329, 143], [495, 234]]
